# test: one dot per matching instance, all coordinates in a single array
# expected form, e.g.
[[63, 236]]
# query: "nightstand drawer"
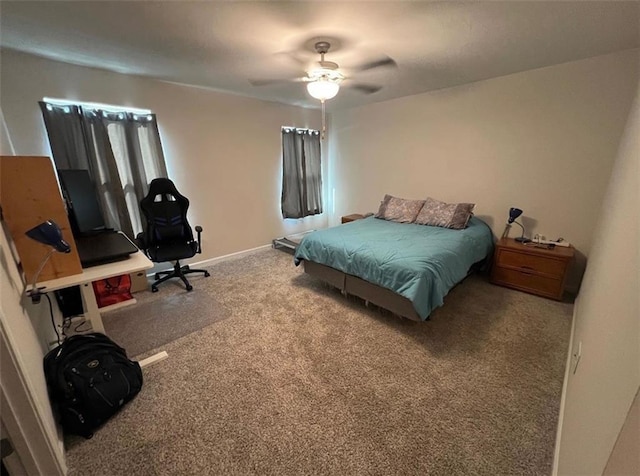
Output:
[[525, 281], [531, 263]]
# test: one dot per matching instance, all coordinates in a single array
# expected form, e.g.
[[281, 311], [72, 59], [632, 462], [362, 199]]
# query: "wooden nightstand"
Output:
[[530, 269], [352, 217]]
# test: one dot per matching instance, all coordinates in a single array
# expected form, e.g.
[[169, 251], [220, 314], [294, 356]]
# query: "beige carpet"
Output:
[[300, 380]]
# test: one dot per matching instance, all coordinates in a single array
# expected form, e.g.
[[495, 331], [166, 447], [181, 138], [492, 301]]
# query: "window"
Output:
[[301, 173], [120, 147]]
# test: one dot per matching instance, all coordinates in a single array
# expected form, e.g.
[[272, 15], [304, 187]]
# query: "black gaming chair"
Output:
[[168, 235]]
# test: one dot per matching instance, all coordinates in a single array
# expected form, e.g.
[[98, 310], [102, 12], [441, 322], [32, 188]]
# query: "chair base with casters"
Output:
[[177, 272]]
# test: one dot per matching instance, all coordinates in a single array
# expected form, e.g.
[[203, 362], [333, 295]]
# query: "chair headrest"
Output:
[[161, 186]]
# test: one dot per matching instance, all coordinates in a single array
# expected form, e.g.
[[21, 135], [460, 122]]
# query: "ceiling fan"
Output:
[[325, 77]]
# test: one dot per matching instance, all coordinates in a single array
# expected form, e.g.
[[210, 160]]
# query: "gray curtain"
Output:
[[66, 137], [301, 173], [122, 152]]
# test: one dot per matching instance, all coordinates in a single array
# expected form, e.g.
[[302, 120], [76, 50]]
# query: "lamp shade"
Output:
[[48, 233], [514, 213], [323, 89]]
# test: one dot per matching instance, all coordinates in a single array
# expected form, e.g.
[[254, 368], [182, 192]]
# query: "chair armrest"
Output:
[[141, 241], [199, 231]]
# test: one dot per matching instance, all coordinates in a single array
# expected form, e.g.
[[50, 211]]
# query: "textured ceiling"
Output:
[[221, 45]]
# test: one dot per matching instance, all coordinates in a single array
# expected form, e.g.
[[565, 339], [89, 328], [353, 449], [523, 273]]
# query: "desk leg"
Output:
[[91, 311], [92, 314]]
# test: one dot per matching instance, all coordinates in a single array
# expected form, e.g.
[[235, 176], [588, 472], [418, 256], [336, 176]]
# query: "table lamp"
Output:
[[513, 214], [47, 233]]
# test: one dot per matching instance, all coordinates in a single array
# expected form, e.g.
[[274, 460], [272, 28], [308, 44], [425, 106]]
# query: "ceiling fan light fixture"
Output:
[[323, 89]]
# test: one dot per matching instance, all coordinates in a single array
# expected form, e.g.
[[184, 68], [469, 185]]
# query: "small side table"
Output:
[[530, 269], [352, 217]]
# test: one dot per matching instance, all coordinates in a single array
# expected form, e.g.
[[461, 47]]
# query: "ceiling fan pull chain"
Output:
[[323, 121]]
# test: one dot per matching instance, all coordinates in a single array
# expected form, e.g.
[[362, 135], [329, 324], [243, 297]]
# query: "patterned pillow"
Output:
[[447, 215], [399, 210]]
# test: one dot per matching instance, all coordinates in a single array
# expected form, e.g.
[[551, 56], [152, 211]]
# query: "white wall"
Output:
[[223, 151], [542, 140], [607, 321], [625, 458]]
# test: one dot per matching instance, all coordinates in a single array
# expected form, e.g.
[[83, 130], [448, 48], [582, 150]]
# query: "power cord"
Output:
[[82, 323], [66, 323], [53, 322]]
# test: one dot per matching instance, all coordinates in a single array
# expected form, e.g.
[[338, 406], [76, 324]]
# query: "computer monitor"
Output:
[[84, 210]]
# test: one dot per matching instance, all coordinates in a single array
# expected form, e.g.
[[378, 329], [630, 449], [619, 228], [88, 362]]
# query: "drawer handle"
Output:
[[527, 269]]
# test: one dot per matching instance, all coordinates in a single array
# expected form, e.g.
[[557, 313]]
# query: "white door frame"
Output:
[[20, 416]]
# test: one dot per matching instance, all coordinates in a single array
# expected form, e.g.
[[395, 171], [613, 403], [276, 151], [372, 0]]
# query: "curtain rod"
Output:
[[298, 129], [97, 105]]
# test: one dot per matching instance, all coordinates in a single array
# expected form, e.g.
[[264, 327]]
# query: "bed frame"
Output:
[[349, 284], [381, 297]]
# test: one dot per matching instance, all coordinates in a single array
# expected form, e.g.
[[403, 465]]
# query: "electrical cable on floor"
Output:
[[66, 324], [82, 323], [53, 322]]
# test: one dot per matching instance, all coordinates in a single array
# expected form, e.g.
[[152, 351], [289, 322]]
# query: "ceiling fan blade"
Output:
[[292, 56], [380, 62], [365, 88], [269, 81]]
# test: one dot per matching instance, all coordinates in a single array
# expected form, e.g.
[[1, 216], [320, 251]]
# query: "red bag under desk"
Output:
[[112, 290]]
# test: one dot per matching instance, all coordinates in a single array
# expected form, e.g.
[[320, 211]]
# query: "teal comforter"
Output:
[[421, 263]]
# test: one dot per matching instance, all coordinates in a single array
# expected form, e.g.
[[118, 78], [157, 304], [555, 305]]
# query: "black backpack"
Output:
[[89, 378]]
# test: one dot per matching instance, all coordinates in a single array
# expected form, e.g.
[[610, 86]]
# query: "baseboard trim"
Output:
[[153, 359], [219, 259], [556, 452]]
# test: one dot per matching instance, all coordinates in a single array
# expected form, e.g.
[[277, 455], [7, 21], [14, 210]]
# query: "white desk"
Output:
[[135, 262]]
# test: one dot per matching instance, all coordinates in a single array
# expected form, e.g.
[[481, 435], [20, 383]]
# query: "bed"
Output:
[[405, 268]]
